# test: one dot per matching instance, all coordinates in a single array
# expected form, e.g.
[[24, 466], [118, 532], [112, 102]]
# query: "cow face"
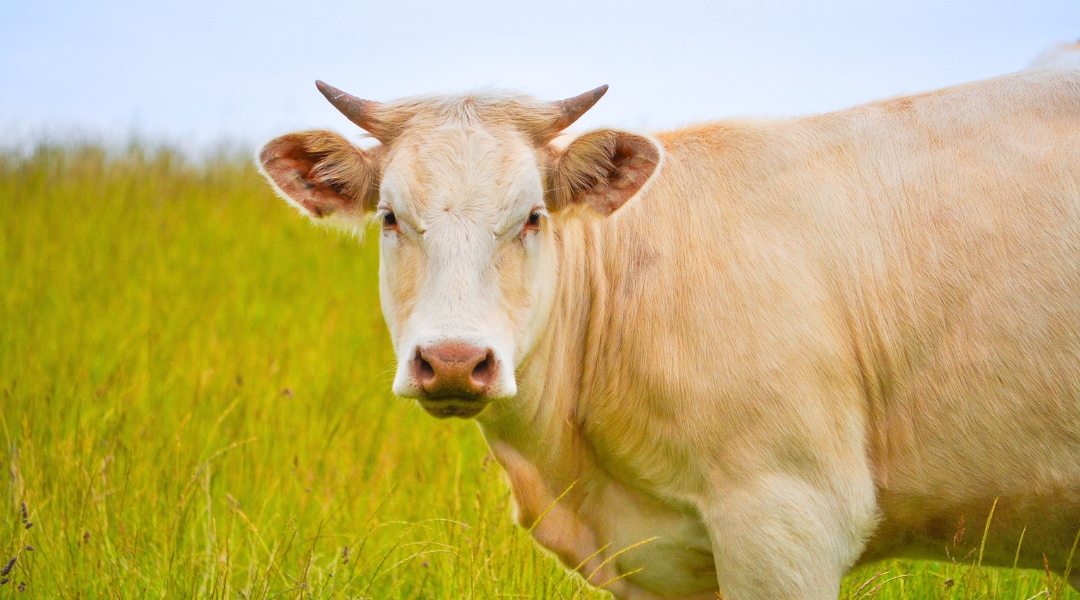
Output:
[[463, 190]]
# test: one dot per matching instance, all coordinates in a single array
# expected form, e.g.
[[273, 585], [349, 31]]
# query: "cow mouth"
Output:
[[449, 406]]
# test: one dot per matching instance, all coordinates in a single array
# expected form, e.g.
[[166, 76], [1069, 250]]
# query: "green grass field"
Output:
[[194, 402]]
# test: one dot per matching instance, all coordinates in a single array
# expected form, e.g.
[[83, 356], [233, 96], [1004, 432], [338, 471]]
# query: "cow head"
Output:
[[465, 189]]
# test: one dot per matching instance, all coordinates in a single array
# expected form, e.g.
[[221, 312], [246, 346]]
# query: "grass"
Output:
[[194, 402]]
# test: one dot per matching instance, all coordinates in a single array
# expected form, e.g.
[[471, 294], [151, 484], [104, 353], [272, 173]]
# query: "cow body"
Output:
[[868, 321], [812, 343]]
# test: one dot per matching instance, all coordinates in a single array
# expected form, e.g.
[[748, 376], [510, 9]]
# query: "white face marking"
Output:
[[464, 262]]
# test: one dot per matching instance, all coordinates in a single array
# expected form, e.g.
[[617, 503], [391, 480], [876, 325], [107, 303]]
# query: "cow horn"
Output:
[[359, 111], [571, 109]]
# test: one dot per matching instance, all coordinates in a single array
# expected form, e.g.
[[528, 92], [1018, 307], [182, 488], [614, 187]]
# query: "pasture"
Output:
[[194, 402]]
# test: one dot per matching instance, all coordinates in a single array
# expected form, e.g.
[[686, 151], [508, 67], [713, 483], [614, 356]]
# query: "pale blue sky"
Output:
[[197, 71]]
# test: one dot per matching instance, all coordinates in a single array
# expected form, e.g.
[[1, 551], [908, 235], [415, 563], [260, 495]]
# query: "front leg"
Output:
[[782, 537]]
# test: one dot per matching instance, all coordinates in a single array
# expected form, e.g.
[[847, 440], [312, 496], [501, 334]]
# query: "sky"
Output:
[[200, 72]]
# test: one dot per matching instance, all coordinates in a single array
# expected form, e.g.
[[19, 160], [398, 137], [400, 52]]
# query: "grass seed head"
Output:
[[8, 566], [959, 537]]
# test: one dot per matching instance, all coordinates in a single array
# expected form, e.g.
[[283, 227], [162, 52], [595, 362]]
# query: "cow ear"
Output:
[[602, 168], [322, 174]]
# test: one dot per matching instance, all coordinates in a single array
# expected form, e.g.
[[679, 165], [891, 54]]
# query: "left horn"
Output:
[[571, 109], [359, 111]]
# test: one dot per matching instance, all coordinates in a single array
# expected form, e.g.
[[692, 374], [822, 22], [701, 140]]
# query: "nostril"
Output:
[[424, 372], [484, 371]]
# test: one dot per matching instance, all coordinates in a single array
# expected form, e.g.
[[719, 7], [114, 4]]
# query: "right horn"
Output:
[[361, 112]]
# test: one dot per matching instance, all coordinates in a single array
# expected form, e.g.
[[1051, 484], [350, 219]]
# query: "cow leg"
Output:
[[782, 538]]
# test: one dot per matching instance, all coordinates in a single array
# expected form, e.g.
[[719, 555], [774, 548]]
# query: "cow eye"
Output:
[[389, 220], [532, 224]]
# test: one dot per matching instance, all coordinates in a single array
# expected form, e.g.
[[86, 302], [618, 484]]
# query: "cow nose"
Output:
[[454, 369]]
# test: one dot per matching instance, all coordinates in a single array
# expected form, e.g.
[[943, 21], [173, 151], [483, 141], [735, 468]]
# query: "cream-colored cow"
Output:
[[769, 350]]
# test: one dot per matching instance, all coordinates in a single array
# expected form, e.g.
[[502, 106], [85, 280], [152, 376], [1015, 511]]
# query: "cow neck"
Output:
[[538, 438]]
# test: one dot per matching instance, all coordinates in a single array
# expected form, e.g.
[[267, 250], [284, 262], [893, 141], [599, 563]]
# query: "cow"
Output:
[[744, 356], [1058, 55]]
